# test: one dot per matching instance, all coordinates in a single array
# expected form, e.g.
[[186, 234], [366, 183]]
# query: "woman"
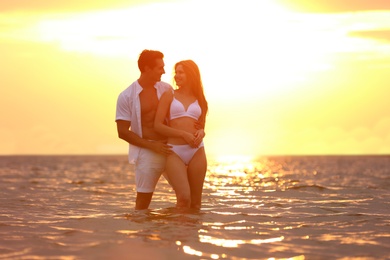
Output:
[[185, 108]]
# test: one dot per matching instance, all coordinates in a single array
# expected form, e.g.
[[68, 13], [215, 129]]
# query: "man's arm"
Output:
[[124, 133]]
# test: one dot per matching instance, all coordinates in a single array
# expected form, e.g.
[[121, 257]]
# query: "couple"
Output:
[[165, 129]]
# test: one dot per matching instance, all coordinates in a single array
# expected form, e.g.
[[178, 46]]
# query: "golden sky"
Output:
[[281, 76]]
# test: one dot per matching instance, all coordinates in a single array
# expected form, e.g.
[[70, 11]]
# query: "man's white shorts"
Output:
[[148, 169]]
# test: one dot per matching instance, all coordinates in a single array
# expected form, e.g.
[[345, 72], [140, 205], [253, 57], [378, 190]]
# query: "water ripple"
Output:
[[72, 207]]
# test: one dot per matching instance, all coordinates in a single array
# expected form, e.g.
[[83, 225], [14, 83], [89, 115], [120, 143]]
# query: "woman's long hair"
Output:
[[194, 80]]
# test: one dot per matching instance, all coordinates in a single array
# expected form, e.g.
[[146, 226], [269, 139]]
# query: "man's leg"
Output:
[[143, 200], [148, 169]]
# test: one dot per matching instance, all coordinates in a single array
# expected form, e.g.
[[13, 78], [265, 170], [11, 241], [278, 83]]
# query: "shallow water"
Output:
[[81, 207]]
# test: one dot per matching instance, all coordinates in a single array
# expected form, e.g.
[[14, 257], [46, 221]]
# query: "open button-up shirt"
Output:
[[128, 108]]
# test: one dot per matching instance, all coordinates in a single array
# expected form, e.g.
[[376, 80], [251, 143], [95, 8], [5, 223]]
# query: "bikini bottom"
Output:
[[185, 152]]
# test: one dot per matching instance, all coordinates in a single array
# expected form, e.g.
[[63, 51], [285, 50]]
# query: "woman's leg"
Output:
[[177, 174], [196, 174]]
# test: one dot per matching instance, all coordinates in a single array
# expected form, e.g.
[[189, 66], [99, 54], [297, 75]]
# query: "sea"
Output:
[[275, 207]]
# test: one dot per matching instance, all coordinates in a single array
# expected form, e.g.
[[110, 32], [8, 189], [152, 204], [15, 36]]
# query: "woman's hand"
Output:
[[195, 139], [189, 138]]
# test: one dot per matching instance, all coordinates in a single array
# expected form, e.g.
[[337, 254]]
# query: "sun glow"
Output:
[[277, 81], [115, 33], [283, 49]]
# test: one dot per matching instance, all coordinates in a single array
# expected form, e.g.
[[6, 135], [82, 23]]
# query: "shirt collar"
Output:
[[140, 88]]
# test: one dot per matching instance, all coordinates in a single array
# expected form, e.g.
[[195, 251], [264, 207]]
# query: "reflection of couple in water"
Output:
[[165, 130]]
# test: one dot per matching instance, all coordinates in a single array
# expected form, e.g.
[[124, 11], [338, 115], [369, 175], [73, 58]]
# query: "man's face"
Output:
[[158, 70]]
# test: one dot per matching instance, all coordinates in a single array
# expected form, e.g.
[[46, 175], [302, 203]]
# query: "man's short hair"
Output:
[[147, 58]]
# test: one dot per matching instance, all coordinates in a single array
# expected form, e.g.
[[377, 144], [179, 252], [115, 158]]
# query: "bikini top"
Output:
[[177, 110]]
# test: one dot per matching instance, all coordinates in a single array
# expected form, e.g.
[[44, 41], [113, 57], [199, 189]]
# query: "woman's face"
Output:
[[180, 76]]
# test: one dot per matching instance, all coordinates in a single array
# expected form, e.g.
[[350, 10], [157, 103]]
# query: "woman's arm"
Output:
[[161, 128]]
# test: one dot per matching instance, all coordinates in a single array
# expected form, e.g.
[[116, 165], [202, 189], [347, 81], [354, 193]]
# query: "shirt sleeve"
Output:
[[123, 108]]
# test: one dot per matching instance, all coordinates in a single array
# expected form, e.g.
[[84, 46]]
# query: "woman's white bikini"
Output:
[[177, 110]]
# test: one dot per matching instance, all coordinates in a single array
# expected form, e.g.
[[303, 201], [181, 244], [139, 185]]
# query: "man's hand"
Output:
[[199, 135], [161, 147], [198, 125]]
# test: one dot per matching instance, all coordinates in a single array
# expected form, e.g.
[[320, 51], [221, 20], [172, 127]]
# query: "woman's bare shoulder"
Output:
[[167, 95]]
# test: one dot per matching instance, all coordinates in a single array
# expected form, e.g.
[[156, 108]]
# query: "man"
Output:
[[135, 112]]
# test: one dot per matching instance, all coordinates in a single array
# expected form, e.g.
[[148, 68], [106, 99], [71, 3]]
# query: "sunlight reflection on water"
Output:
[[271, 208]]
